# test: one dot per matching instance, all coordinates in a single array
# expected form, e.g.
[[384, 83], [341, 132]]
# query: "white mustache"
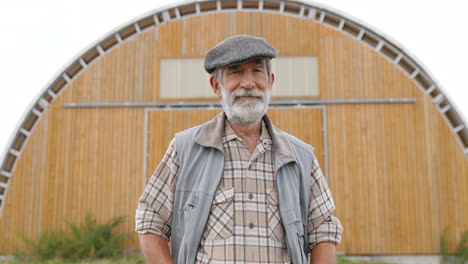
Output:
[[247, 92]]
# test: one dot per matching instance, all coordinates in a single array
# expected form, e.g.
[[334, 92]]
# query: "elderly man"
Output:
[[237, 189]]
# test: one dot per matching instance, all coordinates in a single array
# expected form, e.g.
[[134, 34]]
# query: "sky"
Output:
[[38, 38]]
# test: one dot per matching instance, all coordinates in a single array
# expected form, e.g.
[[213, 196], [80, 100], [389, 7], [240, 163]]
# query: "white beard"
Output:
[[245, 112]]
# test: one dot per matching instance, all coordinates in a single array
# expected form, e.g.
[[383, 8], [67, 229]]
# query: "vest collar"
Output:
[[212, 136]]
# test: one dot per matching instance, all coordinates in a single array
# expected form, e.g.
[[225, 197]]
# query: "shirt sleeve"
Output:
[[154, 213], [322, 225]]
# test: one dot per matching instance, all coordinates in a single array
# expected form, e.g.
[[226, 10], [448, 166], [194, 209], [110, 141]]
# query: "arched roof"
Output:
[[315, 12]]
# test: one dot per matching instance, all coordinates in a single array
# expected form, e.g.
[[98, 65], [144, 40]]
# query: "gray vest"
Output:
[[200, 171]]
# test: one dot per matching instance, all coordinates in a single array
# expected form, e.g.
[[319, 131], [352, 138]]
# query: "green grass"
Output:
[[123, 260], [132, 260], [342, 260]]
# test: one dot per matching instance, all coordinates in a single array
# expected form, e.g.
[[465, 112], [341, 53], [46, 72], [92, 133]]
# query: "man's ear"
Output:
[[216, 86], [272, 80]]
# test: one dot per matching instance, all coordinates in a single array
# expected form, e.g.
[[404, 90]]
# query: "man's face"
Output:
[[245, 91]]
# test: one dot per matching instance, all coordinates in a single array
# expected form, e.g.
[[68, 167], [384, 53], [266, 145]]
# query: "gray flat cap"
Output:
[[238, 49]]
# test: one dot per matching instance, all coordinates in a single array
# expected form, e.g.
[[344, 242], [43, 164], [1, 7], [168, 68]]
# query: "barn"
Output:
[[393, 147]]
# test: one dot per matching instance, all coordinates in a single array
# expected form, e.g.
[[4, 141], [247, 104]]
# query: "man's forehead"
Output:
[[257, 62]]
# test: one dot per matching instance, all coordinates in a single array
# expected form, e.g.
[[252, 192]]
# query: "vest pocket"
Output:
[[276, 230], [220, 221]]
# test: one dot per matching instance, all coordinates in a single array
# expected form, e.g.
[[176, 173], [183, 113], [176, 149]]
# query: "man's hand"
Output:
[[155, 249], [323, 253]]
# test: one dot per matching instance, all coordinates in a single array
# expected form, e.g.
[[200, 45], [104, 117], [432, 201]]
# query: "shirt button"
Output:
[[250, 196], [251, 225]]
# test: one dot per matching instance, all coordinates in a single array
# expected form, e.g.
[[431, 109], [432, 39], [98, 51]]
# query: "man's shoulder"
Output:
[[296, 142], [191, 130], [196, 130], [191, 133], [293, 141]]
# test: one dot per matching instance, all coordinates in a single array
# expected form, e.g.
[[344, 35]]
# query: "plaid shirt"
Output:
[[244, 224]]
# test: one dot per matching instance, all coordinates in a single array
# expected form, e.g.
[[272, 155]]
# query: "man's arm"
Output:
[[323, 253], [324, 229], [155, 249], [154, 214]]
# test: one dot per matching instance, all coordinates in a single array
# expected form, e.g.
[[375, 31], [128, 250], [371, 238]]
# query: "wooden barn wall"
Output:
[[397, 172], [78, 162], [448, 167]]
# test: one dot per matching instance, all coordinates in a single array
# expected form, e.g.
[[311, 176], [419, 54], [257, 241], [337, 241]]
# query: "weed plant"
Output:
[[460, 255], [89, 240]]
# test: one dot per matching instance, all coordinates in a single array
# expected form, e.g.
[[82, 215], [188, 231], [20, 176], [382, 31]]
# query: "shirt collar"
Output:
[[229, 133]]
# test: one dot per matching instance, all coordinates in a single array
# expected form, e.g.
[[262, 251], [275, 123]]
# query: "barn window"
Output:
[[185, 78], [295, 77]]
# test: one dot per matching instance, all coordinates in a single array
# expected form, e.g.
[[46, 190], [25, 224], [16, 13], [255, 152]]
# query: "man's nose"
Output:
[[248, 81]]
